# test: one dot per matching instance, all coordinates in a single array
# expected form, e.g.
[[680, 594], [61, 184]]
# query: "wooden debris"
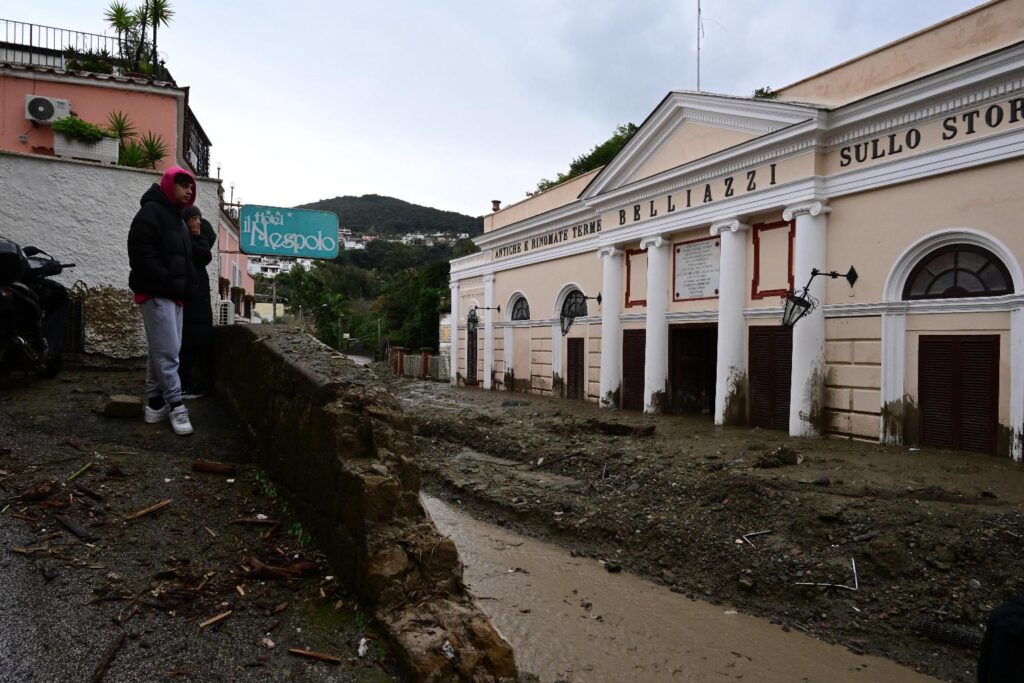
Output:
[[213, 620], [28, 551], [315, 655], [214, 467], [39, 490], [241, 591], [108, 658], [73, 442], [210, 531], [152, 508], [618, 429], [73, 525], [255, 520], [81, 488], [79, 473], [546, 463]]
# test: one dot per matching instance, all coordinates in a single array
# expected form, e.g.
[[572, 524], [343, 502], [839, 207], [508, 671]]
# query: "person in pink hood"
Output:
[[162, 277]]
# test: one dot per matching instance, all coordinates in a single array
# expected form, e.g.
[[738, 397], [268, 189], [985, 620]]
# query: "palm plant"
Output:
[[131, 154], [119, 124], [160, 12], [140, 19], [119, 17], [153, 147]]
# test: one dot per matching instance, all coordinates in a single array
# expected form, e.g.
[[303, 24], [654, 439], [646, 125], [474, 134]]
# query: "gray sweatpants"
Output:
[[162, 318]]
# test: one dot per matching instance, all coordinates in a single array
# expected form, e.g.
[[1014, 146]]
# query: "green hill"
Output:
[[389, 217]]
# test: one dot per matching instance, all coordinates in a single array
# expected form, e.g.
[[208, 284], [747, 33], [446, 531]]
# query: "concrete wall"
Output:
[[80, 212], [557, 196], [340, 450]]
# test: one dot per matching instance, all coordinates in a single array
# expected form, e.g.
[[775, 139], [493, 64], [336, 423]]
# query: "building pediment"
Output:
[[687, 126]]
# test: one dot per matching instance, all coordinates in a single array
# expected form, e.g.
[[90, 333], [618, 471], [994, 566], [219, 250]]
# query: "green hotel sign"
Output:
[[295, 233]]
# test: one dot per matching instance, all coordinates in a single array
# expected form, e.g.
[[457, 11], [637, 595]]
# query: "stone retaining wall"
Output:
[[339, 447]]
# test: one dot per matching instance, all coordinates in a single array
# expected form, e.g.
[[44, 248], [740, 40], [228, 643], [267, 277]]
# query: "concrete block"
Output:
[[838, 399], [867, 400], [839, 352], [837, 421], [865, 425], [866, 376], [868, 351]]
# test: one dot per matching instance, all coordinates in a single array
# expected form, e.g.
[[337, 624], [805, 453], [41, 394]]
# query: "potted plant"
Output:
[[78, 139]]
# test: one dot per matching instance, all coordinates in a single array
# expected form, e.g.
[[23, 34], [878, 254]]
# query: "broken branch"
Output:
[[108, 658], [213, 620], [152, 508], [315, 655], [214, 467]]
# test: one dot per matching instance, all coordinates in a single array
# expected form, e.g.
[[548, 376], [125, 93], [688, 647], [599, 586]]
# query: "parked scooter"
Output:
[[34, 310]]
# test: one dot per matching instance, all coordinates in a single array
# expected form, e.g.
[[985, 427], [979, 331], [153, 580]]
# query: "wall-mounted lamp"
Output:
[[575, 306], [473, 320], [796, 306]]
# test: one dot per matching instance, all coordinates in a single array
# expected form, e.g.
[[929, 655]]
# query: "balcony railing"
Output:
[[196, 145], [60, 48]]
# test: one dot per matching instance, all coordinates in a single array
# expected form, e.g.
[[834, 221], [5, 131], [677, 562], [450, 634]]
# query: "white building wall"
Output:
[[80, 212]]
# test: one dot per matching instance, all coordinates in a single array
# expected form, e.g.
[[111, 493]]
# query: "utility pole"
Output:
[[273, 295]]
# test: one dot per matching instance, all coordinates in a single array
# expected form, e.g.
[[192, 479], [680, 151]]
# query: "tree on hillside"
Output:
[[598, 156]]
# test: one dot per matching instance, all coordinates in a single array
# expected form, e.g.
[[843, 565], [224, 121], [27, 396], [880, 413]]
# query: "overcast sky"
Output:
[[453, 103]]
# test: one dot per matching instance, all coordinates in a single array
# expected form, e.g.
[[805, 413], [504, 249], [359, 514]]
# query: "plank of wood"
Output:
[[315, 655], [213, 620], [152, 508]]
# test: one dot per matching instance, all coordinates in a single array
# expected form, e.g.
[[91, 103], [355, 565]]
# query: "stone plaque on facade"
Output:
[[696, 269]]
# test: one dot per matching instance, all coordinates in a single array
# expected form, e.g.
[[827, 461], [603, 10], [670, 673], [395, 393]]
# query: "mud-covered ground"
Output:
[[151, 583], [936, 536]]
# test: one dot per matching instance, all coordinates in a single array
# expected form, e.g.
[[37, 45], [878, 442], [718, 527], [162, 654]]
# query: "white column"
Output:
[[488, 332], [611, 326], [894, 369], [1016, 383], [731, 368], [453, 349], [656, 349], [807, 384]]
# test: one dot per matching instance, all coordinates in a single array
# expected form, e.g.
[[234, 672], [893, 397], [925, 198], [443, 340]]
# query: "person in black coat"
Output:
[[162, 276], [197, 330]]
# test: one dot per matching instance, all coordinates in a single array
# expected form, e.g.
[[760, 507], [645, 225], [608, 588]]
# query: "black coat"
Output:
[[159, 249], [197, 324]]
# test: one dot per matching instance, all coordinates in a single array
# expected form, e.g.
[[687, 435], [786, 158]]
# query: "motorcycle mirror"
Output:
[[31, 251]]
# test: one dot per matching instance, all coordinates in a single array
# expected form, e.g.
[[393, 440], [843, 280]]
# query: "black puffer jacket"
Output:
[[159, 249], [197, 329]]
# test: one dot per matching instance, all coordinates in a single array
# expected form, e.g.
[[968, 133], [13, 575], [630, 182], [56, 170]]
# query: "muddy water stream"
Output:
[[568, 618]]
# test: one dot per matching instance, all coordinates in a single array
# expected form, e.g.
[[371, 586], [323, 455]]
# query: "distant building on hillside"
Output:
[[270, 266]]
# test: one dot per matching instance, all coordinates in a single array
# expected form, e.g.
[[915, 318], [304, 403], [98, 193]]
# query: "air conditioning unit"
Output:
[[225, 312], [46, 109]]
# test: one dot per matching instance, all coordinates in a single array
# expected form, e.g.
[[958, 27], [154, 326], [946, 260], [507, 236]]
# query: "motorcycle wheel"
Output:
[[49, 368]]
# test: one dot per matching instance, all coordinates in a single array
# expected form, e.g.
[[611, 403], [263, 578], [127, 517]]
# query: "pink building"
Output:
[[234, 283]]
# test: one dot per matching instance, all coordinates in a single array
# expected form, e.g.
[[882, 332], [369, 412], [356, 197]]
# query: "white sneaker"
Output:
[[180, 422], [153, 416]]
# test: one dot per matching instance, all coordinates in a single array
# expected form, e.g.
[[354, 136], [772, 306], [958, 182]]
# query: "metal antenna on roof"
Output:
[[700, 34]]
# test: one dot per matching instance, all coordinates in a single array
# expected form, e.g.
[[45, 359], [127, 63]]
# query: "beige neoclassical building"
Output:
[[906, 163]]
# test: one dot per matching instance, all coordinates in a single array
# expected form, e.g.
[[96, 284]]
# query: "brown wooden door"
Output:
[[958, 386], [634, 353], [471, 342], [771, 360], [575, 379]]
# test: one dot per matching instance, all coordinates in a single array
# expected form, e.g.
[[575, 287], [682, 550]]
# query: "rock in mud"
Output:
[[122, 406], [777, 457]]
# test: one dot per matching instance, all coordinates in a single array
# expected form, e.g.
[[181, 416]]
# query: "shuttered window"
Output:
[[958, 386], [471, 357], [576, 375], [770, 367], [634, 344]]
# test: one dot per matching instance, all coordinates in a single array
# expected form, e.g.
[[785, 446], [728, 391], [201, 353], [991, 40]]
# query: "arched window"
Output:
[[521, 309], [957, 271]]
